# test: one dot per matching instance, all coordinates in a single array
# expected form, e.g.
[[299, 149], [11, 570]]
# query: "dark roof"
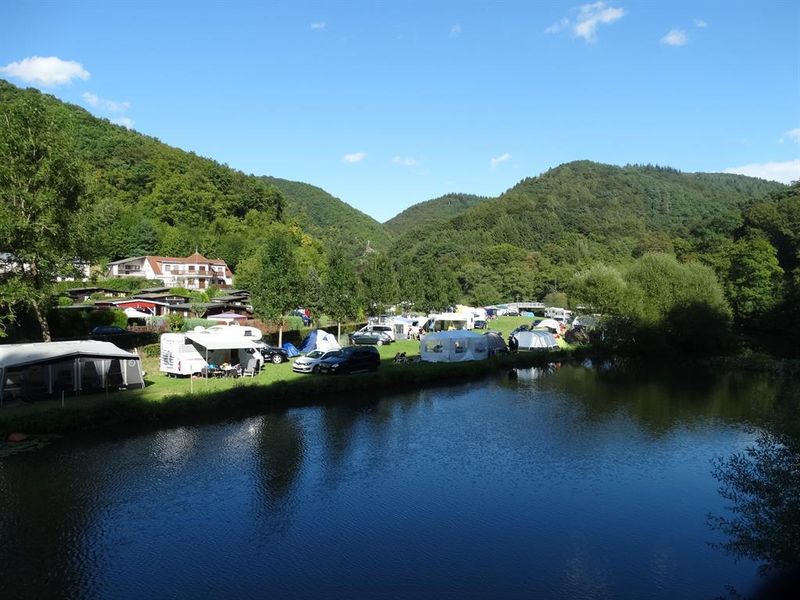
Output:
[[154, 290]]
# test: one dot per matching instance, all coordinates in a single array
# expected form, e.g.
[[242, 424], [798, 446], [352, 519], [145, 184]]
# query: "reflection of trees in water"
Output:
[[762, 485], [661, 396], [280, 459], [52, 556]]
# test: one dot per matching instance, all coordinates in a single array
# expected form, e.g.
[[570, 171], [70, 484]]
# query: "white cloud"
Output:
[[319, 25], [592, 15], [700, 23], [355, 157], [124, 121], [107, 105], [45, 70], [500, 159], [455, 30], [675, 37], [793, 135], [785, 172], [405, 161], [589, 18], [559, 26]]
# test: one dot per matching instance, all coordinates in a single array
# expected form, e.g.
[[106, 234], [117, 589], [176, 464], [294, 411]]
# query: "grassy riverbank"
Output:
[[170, 400]]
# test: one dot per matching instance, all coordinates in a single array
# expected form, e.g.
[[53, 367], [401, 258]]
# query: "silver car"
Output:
[[310, 362]]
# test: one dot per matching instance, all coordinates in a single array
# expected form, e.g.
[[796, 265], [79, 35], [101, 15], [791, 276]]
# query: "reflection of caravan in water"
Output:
[[181, 352], [448, 321]]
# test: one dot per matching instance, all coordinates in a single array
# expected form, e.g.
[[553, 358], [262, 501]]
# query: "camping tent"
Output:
[[42, 369], [531, 341], [319, 340], [495, 343], [453, 346], [550, 324]]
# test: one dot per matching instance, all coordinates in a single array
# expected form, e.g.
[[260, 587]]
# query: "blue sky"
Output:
[[385, 104]]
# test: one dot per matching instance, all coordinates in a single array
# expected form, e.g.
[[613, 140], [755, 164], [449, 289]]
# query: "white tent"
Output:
[[40, 369], [551, 324], [453, 346], [531, 341]]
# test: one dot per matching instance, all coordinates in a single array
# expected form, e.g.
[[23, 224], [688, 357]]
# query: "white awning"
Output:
[[220, 341], [21, 355]]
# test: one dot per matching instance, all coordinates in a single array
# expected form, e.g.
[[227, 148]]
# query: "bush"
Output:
[[151, 350], [189, 324]]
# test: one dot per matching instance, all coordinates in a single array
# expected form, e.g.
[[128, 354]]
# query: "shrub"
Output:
[[151, 350]]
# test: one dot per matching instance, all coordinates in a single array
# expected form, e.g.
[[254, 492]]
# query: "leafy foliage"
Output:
[[41, 186], [439, 209], [332, 221]]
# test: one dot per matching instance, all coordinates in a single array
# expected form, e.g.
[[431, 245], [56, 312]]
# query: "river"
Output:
[[579, 481]]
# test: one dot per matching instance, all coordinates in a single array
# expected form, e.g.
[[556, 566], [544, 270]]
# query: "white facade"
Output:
[[194, 272]]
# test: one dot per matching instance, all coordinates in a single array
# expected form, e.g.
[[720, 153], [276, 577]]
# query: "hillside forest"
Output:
[[677, 261]]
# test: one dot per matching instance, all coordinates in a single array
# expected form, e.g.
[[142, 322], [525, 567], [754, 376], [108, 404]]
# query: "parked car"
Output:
[[304, 316], [274, 354], [387, 329], [350, 359], [108, 330], [310, 362], [370, 338], [479, 324]]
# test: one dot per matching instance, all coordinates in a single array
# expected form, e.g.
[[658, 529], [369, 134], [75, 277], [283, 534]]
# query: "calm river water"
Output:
[[571, 482]]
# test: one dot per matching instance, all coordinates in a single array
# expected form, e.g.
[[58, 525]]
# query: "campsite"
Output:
[[193, 394]]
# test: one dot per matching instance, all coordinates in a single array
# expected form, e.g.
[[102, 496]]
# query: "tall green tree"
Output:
[[273, 276], [41, 186], [380, 284], [341, 289], [755, 279], [601, 288]]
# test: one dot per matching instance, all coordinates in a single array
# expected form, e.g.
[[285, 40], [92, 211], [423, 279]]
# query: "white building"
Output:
[[194, 272]]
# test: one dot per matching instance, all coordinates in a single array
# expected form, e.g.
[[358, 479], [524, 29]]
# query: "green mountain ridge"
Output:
[[438, 209], [538, 233], [329, 218]]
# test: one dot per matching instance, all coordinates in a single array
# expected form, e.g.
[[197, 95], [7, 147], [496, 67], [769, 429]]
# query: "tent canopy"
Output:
[[220, 341], [319, 340], [453, 346], [549, 324], [535, 340], [495, 342], [21, 355]]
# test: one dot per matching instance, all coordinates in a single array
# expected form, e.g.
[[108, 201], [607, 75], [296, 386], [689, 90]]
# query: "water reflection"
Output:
[[538, 486], [279, 460], [762, 487], [655, 395]]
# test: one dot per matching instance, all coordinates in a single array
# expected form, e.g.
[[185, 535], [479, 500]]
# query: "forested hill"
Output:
[[540, 232], [438, 209], [150, 198], [331, 220]]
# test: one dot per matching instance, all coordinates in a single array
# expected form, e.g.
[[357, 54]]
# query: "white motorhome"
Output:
[[561, 314], [185, 353], [179, 356]]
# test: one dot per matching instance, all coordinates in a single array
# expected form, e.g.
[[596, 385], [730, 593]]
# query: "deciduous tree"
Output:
[[41, 186]]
